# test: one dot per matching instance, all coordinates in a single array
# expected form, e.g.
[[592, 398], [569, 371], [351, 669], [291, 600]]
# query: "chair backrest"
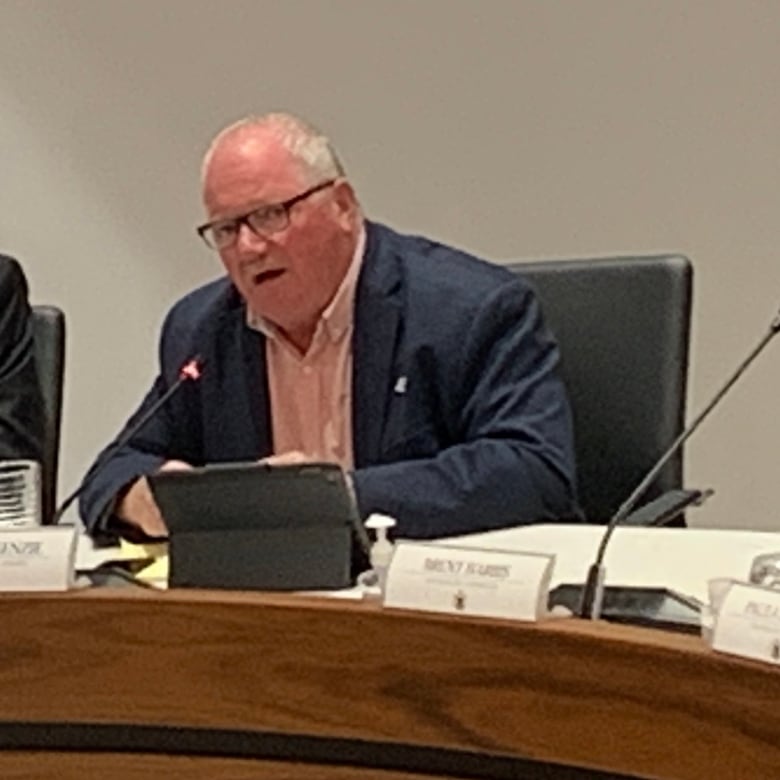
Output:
[[49, 337], [623, 327]]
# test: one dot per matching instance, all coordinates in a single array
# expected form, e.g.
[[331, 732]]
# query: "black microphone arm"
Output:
[[593, 592], [189, 372]]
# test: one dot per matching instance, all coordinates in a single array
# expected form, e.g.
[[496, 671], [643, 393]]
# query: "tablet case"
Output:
[[249, 526]]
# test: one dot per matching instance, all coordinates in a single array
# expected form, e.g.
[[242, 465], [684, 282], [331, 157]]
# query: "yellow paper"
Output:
[[137, 552], [156, 571]]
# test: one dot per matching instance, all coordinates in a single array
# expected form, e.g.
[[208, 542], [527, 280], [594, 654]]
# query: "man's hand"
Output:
[[286, 459], [139, 508]]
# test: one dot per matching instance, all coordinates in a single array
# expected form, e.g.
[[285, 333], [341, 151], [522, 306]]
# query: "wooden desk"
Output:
[[125, 683]]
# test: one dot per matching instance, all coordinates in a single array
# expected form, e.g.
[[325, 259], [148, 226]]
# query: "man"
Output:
[[21, 405], [425, 373]]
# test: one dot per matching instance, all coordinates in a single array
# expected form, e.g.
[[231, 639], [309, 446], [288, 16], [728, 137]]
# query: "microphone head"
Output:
[[192, 369]]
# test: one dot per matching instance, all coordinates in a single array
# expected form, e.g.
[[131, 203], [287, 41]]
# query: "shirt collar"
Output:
[[339, 314]]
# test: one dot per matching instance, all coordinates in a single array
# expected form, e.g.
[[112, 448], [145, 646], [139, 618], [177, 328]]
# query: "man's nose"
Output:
[[249, 241]]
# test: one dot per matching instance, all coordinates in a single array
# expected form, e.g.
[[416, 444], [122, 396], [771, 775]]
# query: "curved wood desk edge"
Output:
[[613, 698]]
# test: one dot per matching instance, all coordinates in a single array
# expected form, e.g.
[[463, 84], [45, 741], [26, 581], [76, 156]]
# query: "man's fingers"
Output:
[[285, 458], [175, 465]]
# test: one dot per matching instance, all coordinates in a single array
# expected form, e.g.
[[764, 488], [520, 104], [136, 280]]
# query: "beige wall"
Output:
[[511, 128]]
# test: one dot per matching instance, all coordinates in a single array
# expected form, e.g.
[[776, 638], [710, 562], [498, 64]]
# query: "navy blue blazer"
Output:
[[477, 436]]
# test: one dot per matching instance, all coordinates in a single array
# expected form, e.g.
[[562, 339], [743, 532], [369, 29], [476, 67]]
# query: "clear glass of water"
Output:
[[20, 493]]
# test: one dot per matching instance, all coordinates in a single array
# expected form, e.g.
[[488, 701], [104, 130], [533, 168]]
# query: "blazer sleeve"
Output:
[[22, 417], [170, 433], [514, 461]]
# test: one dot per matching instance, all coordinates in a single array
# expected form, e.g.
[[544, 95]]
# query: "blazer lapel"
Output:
[[239, 409], [375, 334], [256, 384]]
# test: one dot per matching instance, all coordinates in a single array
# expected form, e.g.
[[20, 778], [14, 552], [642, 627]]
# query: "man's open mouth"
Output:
[[265, 276]]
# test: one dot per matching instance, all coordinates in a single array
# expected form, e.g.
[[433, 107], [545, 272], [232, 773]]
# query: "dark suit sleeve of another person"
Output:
[[497, 449], [21, 405]]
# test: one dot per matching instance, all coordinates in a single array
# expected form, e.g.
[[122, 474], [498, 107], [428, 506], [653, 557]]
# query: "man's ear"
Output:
[[346, 203]]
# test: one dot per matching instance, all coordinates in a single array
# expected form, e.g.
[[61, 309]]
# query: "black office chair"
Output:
[[623, 328], [49, 337]]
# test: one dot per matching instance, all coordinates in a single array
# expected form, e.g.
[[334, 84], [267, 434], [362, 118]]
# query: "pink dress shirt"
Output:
[[311, 394]]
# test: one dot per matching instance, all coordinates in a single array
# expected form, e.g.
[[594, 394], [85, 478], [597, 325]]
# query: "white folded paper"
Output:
[[747, 622], [40, 558], [469, 581]]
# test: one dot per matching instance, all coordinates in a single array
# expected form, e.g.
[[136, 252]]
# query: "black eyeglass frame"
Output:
[[243, 219]]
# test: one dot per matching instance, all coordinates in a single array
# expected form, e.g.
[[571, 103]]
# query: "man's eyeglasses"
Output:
[[263, 221]]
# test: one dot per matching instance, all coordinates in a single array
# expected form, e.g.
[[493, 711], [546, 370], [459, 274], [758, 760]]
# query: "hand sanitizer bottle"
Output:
[[382, 549]]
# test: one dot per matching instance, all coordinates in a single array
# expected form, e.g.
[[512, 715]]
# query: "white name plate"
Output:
[[748, 623], [468, 581], [39, 558]]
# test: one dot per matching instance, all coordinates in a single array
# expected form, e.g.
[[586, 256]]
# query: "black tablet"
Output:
[[253, 526]]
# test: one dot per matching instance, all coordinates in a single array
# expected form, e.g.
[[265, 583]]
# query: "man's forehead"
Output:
[[254, 147], [249, 166]]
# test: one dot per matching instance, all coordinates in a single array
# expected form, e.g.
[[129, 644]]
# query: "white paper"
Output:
[[748, 623], [468, 581], [37, 558]]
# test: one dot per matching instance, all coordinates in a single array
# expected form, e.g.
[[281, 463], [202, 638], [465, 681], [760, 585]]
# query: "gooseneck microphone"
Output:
[[189, 372], [593, 592]]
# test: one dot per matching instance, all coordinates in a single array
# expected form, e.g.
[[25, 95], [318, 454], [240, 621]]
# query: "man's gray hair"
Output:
[[308, 145]]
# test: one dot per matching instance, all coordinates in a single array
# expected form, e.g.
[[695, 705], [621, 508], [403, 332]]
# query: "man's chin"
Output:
[[268, 303], [273, 315]]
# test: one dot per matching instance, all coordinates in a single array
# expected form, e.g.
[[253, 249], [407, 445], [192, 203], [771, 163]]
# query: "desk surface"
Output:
[[683, 559], [250, 680]]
